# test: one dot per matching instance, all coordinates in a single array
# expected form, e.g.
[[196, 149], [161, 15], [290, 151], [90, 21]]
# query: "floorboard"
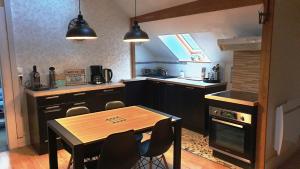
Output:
[[26, 158]]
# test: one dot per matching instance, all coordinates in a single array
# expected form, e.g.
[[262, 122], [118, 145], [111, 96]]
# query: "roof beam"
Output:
[[196, 7]]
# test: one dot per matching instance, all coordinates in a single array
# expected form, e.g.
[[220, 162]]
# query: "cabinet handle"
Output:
[[79, 94], [190, 88], [80, 103], [52, 111], [52, 107], [52, 97], [170, 84], [108, 90]]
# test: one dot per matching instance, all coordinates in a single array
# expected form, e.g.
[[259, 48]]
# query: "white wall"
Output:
[[38, 38], [39, 29], [284, 79]]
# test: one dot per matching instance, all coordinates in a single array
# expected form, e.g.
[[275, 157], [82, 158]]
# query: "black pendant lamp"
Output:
[[136, 34], [79, 29]]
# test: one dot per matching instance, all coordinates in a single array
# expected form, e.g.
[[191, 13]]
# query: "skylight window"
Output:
[[184, 47]]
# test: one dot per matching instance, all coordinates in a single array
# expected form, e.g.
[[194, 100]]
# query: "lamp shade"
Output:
[[79, 30], [136, 34]]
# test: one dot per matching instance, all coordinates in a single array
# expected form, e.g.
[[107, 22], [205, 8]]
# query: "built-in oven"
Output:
[[232, 133]]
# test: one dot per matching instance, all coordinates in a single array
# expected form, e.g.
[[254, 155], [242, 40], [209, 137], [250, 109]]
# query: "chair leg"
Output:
[[70, 162], [165, 161], [150, 163]]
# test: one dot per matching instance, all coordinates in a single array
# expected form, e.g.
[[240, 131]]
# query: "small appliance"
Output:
[[96, 74], [52, 83], [107, 75]]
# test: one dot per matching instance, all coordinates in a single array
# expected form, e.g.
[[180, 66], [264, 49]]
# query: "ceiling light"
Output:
[[79, 29], [136, 34]]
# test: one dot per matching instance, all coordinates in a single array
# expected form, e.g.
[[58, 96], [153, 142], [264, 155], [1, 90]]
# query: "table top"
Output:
[[97, 126]]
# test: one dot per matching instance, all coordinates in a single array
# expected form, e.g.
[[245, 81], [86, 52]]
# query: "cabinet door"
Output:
[[191, 108], [98, 101], [171, 99], [49, 113], [154, 95], [135, 93]]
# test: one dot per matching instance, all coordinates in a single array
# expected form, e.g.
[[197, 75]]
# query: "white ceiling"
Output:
[[147, 6]]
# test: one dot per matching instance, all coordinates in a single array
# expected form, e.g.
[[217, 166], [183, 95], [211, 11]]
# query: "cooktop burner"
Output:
[[238, 97]]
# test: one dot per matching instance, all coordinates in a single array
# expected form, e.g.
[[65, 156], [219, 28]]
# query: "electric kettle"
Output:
[[107, 75]]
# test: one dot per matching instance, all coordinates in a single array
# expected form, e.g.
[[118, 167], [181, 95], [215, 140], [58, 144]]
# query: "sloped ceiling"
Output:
[[147, 6], [231, 23]]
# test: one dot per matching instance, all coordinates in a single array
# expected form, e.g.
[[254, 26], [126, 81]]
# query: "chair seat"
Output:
[[144, 147], [138, 137]]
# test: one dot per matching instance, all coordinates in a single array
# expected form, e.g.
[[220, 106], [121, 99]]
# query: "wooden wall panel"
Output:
[[246, 71]]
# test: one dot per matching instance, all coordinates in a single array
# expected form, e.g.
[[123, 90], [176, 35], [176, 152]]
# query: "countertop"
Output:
[[237, 97], [73, 89], [180, 81]]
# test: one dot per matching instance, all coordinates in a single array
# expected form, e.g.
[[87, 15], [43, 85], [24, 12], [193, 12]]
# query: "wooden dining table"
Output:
[[87, 132]]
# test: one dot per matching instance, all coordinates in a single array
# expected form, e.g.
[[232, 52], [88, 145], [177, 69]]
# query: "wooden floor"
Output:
[[25, 158]]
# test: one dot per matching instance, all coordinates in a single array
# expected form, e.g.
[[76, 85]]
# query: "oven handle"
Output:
[[227, 123]]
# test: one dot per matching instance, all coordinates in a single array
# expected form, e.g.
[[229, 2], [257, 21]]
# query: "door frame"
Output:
[[8, 93]]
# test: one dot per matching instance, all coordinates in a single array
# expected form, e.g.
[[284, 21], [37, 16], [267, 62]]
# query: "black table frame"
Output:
[[56, 130]]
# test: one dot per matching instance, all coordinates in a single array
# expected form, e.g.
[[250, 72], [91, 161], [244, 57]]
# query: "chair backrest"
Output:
[[119, 151], [114, 105], [75, 111], [161, 138]]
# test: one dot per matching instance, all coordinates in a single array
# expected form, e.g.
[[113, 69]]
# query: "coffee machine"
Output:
[[96, 74]]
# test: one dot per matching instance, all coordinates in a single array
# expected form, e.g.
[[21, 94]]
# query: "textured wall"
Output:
[[245, 71], [39, 29]]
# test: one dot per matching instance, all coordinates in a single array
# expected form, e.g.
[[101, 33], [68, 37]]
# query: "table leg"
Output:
[[78, 157], [52, 146], [177, 145]]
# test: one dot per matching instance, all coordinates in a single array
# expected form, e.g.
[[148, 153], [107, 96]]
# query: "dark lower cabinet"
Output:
[[154, 95], [192, 108], [42, 109], [101, 97], [172, 99], [135, 92], [178, 100]]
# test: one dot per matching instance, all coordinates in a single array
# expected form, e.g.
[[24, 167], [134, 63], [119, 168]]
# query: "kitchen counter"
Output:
[[180, 81], [73, 89]]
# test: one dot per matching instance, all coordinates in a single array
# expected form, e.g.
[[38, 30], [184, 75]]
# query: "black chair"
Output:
[[115, 155], [119, 104], [74, 111], [114, 105], [161, 140]]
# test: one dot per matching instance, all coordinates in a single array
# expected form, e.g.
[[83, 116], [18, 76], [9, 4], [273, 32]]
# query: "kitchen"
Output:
[[108, 59]]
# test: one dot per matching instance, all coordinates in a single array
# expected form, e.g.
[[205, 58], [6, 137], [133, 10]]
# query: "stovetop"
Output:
[[239, 97]]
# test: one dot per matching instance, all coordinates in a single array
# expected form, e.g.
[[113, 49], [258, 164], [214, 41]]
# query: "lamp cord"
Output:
[[135, 10], [79, 8]]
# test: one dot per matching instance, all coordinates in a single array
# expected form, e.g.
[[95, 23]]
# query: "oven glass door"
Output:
[[229, 136]]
